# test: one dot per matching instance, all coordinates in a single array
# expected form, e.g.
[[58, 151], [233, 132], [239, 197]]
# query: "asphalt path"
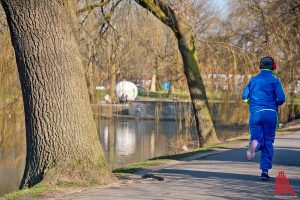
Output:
[[222, 175]]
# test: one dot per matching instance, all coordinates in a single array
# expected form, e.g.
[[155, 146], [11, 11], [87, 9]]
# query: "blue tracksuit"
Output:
[[264, 94]]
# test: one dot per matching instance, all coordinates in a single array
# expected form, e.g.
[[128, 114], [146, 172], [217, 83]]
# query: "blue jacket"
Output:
[[264, 91]]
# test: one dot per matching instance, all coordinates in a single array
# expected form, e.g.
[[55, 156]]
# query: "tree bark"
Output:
[[205, 127], [61, 136]]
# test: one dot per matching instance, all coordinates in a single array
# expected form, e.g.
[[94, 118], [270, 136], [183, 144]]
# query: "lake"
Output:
[[133, 140], [124, 140]]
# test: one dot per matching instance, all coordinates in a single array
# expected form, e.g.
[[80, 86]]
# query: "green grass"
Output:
[[184, 155], [157, 95], [99, 94], [213, 96], [185, 95], [39, 190], [133, 167], [92, 182], [34, 192], [165, 94], [65, 184]]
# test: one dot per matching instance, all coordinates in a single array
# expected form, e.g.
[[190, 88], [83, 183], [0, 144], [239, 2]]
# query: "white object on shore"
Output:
[[128, 89], [107, 98], [185, 148], [100, 87]]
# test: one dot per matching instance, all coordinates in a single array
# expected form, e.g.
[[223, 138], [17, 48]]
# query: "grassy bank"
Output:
[[134, 167], [35, 192], [41, 190]]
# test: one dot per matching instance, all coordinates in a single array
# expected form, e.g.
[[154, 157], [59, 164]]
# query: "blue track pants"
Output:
[[263, 125]]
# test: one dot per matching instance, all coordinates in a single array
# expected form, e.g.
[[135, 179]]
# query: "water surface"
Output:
[[133, 140], [123, 141]]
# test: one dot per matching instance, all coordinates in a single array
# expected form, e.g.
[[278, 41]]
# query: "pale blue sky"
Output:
[[221, 4]]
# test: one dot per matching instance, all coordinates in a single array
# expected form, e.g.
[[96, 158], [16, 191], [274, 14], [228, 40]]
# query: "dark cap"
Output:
[[266, 63]]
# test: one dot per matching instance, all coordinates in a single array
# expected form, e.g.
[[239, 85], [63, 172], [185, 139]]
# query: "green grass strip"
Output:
[[34, 192]]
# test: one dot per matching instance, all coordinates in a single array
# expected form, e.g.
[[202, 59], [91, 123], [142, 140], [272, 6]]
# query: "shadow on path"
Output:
[[282, 156], [222, 176]]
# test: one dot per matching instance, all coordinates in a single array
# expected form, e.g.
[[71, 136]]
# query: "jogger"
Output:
[[264, 94]]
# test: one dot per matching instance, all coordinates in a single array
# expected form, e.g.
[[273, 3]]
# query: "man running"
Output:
[[264, 93]]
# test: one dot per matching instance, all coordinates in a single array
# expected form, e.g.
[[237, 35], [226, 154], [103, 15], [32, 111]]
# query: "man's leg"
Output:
[[256, 135], [256, 130], [269, 129]]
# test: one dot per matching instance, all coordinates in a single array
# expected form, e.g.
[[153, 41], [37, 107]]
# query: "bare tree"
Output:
[[186, 44], [62, 142]]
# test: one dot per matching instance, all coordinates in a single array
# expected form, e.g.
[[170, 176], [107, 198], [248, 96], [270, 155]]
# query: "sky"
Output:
[[221, 4]]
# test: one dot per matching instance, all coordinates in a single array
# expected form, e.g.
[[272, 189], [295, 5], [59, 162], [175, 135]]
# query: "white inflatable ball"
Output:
[[127, 88]]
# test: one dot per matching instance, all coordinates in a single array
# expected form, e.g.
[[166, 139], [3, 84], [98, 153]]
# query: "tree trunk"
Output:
[[171, 89], [153, 82], [154, 75], [291, 106], [62, 142], [113, 80], [205, 127], [89, 72]]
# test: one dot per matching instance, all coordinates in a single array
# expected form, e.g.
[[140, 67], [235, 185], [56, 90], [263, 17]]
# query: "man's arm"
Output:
[[279, 93], [246, 93]]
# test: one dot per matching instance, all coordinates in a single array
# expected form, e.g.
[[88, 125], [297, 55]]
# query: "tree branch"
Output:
[[92, 6], [162, 11]]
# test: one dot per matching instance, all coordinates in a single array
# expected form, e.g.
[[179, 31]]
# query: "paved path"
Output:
[[226, 175]]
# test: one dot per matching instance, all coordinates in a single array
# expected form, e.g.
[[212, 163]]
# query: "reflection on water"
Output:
[[123, 140], [10, 178], [133, 140], [12, 146]]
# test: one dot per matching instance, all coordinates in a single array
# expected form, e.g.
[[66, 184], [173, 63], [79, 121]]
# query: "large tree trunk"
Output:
[[62, 142], [205, 127]]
